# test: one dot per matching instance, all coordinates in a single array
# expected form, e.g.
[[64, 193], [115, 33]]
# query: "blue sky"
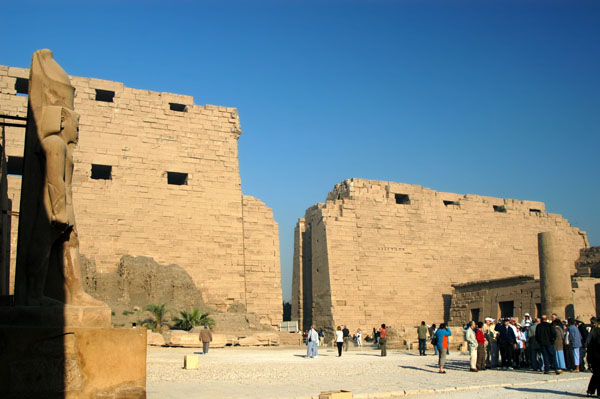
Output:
[[498, 98]]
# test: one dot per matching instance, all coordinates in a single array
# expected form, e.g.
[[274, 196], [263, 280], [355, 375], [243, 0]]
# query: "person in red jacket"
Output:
[[480, 347]]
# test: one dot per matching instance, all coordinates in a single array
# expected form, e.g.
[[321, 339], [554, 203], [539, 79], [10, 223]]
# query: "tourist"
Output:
[[521, 345], [339, 340], [359, 338], [206, 337], [346, 334], [383, 340], [375, 336], [472, 342], [583, 330], [480, 336], [422, 332], [311, 343], [576, 343], [492, 338], [545, 335], [441, 337], [321, 337], [526, 320], [593, 355], [536, 359], [432, 331], [507, 342], [512, 325], [559, 356]]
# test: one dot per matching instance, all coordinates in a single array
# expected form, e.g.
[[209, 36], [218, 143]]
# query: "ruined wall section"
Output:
[[144, 136], [261, 259], [394, 250]]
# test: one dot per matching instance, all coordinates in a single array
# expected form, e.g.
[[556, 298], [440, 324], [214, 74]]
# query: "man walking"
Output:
[[422, 331], [206, 338], [346, 333], [311, 342]]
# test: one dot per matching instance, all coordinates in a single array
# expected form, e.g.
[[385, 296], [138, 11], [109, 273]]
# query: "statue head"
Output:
[[51, 96]]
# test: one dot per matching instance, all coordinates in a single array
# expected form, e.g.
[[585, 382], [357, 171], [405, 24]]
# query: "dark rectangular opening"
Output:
[[101, 172], [506, 309], [105, 95], [178, 107], [451, 203], [22, 86], [402, 199], [535, 211], [500, 208], [176, 178], [14, 166], [538, 310], [475, 315]]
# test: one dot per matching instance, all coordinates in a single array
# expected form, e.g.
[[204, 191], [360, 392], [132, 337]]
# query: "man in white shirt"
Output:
[[311, 342]]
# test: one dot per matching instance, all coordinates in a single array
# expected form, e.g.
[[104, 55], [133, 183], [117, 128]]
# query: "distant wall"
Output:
[[389, 252]]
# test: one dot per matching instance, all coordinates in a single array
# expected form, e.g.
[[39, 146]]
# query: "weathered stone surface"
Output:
[[228, 243], [155, 339], [248, 341], [182, 338], [382, 252], [75, 363]]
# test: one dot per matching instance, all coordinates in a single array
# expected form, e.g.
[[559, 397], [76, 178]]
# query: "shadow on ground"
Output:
[[549, 392]]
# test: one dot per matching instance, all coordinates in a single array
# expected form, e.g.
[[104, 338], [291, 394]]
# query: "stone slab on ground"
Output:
[[285, 373]]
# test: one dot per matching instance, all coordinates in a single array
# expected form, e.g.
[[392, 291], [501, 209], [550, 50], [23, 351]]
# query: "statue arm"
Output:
[[55, 150]]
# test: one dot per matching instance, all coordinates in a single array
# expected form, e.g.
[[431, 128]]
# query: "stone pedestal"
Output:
[[41, 359]]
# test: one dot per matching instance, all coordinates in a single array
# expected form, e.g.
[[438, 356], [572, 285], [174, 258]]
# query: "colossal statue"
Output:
[[48, 270]]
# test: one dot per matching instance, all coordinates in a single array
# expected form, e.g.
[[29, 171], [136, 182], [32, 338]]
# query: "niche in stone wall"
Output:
[[178, 107], [22, 86], [14, 166], [101, 172], [106, 96], [402, 199], [177, 179]]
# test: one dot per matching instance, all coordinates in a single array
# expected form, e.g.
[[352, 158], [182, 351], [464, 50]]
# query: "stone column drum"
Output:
[[555, 276]]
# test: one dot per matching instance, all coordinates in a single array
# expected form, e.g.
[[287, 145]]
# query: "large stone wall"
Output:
[[384, 252], [227, 243]]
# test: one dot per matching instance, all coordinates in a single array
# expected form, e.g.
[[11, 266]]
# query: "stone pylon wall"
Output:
[[199, 225], [389, 252]]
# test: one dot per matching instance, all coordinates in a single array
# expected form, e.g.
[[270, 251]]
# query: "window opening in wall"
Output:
[[106, 96], [451, 203], [538, 310], [500, 208], [475, 315], [101, 172], [537, 211], [14, 166], [176, 178], [22, 86], [178, 107], [506, 309], [402, 199]]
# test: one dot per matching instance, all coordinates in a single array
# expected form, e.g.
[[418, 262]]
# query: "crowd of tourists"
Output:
[[541, 344]]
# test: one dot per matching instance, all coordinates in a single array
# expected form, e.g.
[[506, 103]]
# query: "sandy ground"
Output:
[[285, 373]]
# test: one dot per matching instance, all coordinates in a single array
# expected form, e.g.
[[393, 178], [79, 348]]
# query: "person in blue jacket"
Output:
[[441, 337]]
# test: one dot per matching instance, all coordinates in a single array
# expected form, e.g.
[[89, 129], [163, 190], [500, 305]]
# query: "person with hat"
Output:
[[526, 320]]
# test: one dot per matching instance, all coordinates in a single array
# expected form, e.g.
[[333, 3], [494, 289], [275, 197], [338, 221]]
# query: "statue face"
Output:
[[70, 126]]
